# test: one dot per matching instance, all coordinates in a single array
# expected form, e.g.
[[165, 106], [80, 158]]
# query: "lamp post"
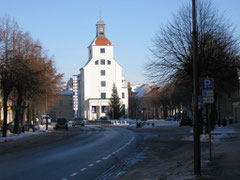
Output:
[[196, 125], [46, 113]]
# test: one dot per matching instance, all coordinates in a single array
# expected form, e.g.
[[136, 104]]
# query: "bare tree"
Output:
[[27, 73], [217, 48], [7, 29]]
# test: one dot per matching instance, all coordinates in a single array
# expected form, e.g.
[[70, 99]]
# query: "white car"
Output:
[[44, 118]]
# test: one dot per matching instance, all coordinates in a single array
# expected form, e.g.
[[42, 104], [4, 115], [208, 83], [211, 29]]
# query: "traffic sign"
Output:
[[207, 83], [208, 92], [18, 107], [208, 100]]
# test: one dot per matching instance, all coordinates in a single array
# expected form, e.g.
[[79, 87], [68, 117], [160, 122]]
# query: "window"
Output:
[[103, 95], [93, 109], [123, 95], [102, 61], [60, 103], [104, 109], [96, 62], [109, 62], [103, 73], [103, 83], [102, 50]]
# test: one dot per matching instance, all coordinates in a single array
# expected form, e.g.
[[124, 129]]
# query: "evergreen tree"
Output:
[[115, 111]]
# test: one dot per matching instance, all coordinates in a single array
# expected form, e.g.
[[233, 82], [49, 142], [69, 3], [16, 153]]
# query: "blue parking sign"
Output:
[[207, 83]]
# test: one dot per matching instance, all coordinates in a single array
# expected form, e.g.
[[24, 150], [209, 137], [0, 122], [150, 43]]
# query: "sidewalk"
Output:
[[225, 162], [171, 158]]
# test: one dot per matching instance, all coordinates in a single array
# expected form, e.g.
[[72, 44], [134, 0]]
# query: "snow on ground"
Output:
[[42, 129], [11, 136], [151, 123], [217, 134]]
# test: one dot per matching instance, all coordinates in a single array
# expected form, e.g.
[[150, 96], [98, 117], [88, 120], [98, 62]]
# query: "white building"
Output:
[[97, 77]]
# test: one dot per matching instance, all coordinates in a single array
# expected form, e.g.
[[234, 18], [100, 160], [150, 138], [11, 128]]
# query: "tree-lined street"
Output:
[[101, 152]]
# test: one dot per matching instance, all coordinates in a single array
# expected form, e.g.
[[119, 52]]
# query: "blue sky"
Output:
[[66, 27]]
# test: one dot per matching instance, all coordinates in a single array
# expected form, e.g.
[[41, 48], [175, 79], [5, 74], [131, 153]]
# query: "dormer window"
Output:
[[96, 62], [108, 62]]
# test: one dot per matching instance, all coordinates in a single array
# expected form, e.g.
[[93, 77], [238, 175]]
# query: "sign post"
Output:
[[208, 99]]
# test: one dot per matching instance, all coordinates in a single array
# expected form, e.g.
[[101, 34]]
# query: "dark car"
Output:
[[170, 118], [103, 118], [27, 127], [185, 121], [62, 123], [10, 127], [78, 121], [30, 127]]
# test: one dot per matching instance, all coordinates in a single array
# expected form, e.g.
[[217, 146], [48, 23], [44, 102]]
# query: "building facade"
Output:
[[97, 77], [64, 106]]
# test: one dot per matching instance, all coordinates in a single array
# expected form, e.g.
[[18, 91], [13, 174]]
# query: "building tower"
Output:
[[98, 76]]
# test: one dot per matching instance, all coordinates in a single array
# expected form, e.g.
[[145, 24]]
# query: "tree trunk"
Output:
[[17, 119], [5, 110]]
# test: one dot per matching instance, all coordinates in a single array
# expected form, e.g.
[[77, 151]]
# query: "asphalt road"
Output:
[[84, 156]]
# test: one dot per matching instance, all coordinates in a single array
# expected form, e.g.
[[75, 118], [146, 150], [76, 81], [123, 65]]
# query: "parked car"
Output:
[[62, 123], [10, 127], [30, 127], [78, 121], [45, 118], [185, 121], [103, 118], [170, 118], [27, 127]]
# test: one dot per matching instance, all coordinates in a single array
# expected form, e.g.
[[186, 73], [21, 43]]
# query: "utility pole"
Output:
[[46, 114], [196, 124]]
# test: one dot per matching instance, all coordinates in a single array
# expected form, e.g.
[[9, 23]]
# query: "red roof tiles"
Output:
[[102, 41]]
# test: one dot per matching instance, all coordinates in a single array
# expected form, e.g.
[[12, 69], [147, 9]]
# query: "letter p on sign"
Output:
[[207, 83]]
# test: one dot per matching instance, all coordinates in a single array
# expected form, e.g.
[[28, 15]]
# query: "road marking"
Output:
[[98, 161], [74, 174], [83, 169]]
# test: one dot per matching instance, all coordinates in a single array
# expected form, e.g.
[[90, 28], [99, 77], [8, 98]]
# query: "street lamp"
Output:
[[196, 125]]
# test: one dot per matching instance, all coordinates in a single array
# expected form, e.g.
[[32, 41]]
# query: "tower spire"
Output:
[[100, 26], [100, 14]]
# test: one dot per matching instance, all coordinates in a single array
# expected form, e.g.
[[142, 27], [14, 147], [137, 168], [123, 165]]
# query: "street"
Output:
[[106, 152], [103, 153], [85, 156]]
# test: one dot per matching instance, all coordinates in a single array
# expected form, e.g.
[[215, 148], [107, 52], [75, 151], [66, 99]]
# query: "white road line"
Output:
[[64, 179], [83, 169], [74, 174], [90, 165], [105, 158], [113, 152], [98, 161]]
